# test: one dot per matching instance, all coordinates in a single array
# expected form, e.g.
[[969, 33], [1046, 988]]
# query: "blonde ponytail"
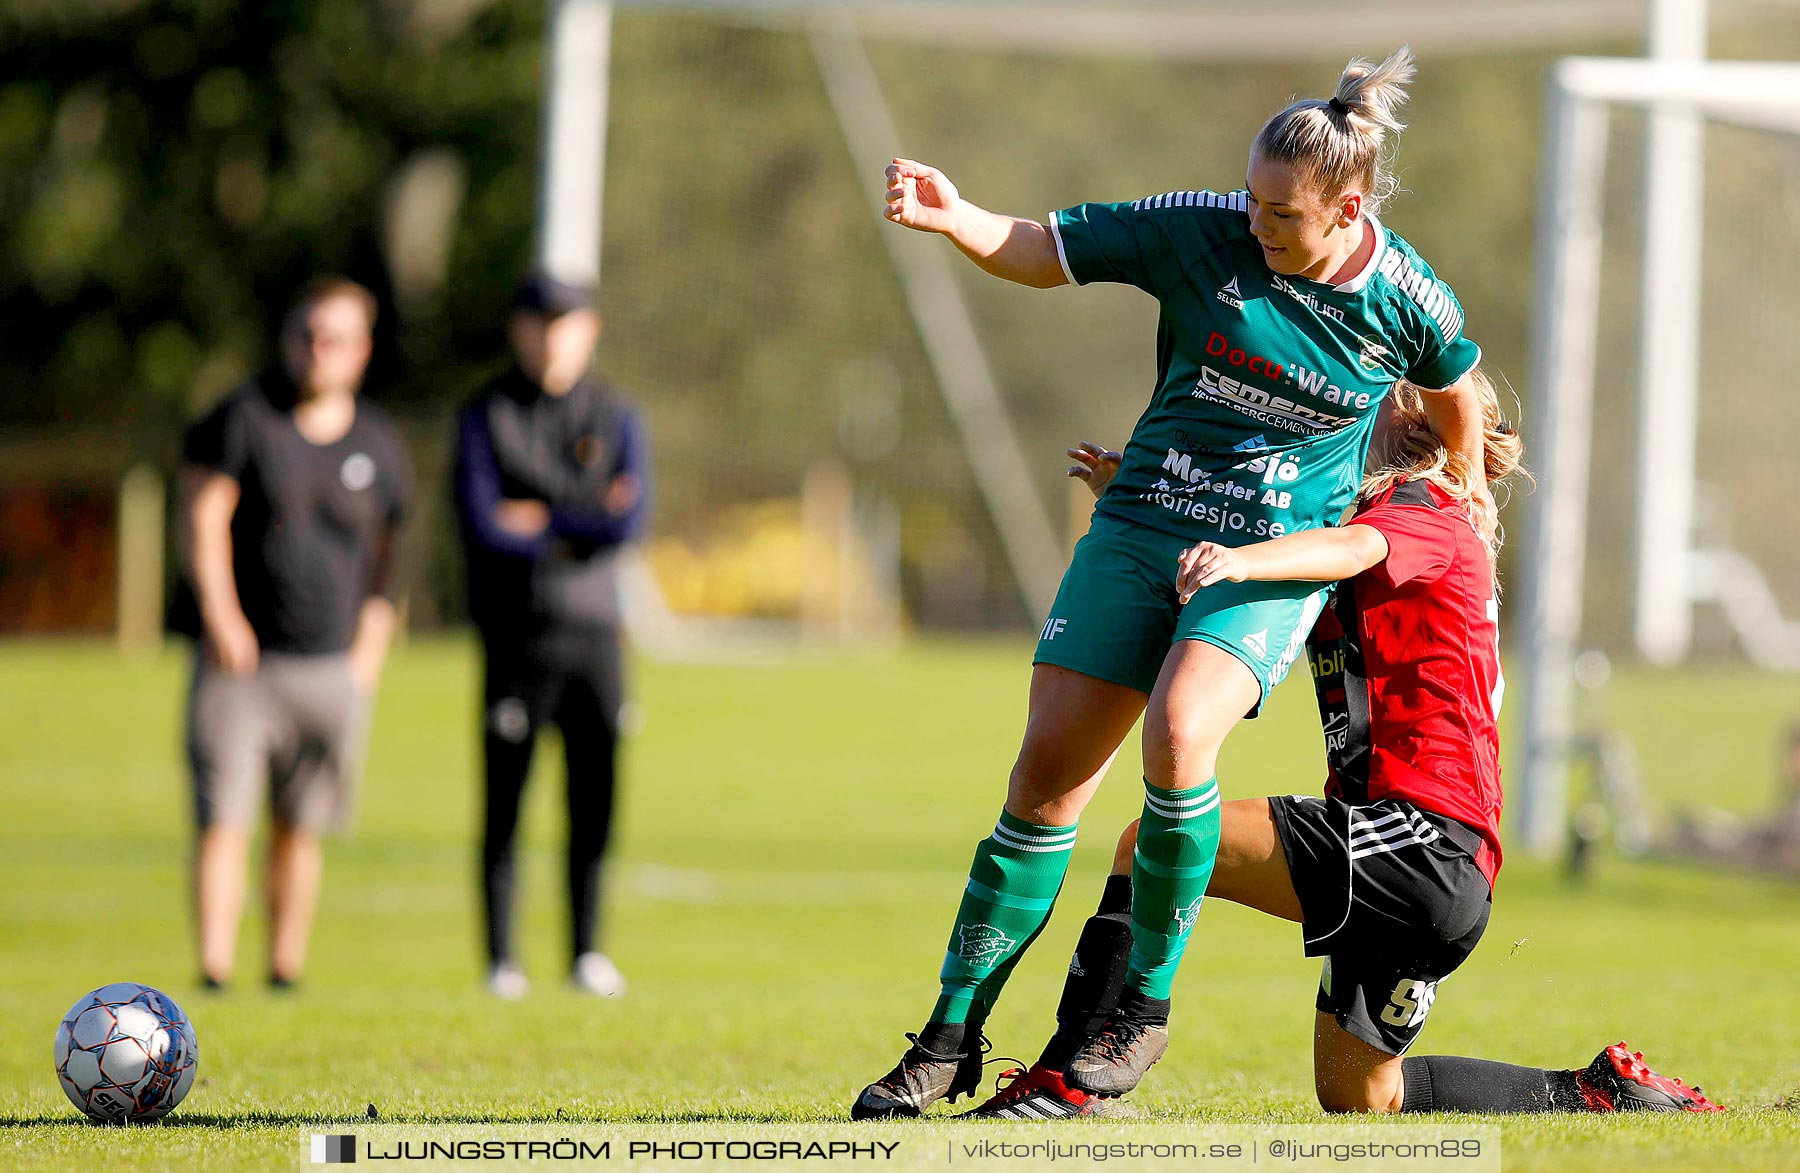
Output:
[[1343, 142]]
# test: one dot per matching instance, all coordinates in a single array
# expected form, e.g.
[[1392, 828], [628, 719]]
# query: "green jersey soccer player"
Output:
[[1287, 312]]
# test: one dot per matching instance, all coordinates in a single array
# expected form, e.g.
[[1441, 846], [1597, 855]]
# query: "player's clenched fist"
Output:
[[920, 197], [1207, 563]]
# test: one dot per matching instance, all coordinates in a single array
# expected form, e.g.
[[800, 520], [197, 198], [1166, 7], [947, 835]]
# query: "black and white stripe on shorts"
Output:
[[1389, 831]]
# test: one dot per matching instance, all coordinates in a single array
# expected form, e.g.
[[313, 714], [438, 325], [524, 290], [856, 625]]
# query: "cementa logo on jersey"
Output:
[[1304, 409]]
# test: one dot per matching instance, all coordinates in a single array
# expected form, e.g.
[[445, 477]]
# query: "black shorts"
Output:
[[1392, 900]]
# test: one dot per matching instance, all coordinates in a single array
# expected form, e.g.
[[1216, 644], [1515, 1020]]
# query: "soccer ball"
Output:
[[126, 1054]]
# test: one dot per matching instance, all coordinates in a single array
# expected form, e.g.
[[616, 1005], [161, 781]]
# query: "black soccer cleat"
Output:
[[919, 1080], [1112, 1062], [1618, 1080]]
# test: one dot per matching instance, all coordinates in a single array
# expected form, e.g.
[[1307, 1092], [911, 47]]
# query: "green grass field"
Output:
[[793, 841]]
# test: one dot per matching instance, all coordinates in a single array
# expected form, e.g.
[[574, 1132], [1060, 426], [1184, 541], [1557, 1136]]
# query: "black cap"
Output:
[[541, 293]]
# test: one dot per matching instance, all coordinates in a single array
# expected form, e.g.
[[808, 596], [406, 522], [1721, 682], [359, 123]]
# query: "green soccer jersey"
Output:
[[1266, 386]]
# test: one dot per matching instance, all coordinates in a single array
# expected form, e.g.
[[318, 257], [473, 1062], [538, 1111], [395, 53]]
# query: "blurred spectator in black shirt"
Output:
[[551, 480], [292, 496]]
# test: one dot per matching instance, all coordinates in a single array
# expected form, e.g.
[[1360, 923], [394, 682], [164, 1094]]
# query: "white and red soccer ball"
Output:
[[126, 1054]]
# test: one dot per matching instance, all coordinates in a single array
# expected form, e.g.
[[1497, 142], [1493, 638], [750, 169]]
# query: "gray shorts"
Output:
[[293, 729]]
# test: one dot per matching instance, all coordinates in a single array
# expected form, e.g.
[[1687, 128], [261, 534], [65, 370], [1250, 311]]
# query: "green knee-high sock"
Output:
[[1013, 883], [1178, 839]]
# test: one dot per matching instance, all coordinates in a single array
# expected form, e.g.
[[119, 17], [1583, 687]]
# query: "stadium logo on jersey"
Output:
[[1372, 353], [1231, 295], [1186, 916], [1309, 300], [982, 944], [1255, 443], [357, 472], [1257, 642]]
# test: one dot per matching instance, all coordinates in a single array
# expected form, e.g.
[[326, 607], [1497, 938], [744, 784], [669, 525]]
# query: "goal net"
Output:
[[1662, 421]]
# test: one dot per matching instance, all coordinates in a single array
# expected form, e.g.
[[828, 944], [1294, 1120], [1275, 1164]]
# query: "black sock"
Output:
[[1096, 978], [1116, 900], [947, 1038], [1136, 1007], [1447, 1083]]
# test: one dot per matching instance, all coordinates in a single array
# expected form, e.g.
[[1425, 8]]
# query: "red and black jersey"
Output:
[[1406, 663]]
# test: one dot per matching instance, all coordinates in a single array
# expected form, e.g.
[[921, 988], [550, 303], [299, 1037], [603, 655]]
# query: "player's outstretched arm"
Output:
[[1024, 251], [1314, 555]]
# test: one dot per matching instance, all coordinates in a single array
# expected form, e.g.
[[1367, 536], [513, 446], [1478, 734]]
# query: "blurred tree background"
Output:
[[170, 170]]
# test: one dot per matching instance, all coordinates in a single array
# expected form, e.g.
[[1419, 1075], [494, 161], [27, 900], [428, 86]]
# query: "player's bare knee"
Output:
[[1042, 795], [1341, 1103], [1378, 1091], [1175, 759]]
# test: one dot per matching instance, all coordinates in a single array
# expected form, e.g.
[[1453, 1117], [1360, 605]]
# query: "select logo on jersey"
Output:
[[1258, 643], [982, 944], [1052, 628], [357, 472], [1231, 295]]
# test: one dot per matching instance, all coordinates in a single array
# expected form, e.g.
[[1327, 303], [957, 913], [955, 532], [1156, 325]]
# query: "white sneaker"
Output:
[[508, 982], [596, 974]]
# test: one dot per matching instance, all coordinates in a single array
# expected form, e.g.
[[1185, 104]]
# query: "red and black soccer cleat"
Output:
[[1618, 1080], [1041, 1094]]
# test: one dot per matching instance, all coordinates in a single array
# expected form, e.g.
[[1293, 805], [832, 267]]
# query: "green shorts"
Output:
[[1116, 615]]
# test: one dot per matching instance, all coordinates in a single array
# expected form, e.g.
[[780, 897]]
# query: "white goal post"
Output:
[[1581, 93]]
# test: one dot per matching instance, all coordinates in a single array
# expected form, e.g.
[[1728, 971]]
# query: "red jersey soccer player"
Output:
[[1390, 874]]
